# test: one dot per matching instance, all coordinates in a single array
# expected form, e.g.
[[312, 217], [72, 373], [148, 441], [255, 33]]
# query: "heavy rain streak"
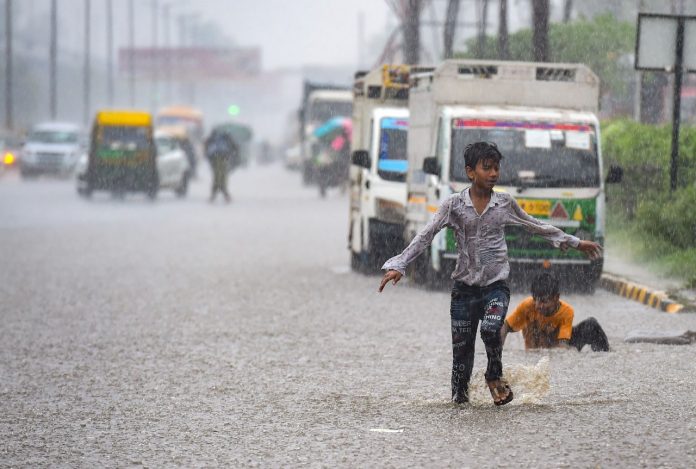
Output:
[[347, 233]]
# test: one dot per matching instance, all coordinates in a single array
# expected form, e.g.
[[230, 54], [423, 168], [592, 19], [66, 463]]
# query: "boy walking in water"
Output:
[[546, 321], [477, 216]]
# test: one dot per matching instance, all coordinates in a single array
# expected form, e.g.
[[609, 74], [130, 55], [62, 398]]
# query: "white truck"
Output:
[[543, 119], [379, 165]]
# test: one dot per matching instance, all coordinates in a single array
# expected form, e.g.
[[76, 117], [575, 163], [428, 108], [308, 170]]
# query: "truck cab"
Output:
[[379, 164], [543, 119]]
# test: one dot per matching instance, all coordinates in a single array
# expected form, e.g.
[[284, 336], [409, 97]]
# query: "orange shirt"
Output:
[[541, 331]]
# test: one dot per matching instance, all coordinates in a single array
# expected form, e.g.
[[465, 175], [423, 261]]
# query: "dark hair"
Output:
[[545, 285], [478, 151]]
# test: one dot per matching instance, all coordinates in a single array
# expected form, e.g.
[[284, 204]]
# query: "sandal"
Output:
[[500, 387]]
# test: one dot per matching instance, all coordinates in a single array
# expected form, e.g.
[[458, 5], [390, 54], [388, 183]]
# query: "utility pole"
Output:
[[153, 56], [503, 44], [53, 52], [110, 52], [131, 45], [450, 27], [361, 39], [676, 104], [86, 78], [8, 65], [411, 31], [167, 52]]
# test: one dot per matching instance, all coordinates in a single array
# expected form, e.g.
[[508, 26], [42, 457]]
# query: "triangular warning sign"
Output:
[[577, 214], [559, 212]]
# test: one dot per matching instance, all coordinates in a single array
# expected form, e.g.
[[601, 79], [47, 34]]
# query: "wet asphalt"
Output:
[[184, 333]]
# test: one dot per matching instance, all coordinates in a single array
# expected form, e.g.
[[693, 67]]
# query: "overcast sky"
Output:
[[290, 32], [299, 31]]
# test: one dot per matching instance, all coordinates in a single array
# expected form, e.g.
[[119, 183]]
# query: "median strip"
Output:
[[634, 291]]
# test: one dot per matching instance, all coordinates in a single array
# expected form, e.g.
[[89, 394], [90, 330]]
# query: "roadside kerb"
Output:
[[634, 291]]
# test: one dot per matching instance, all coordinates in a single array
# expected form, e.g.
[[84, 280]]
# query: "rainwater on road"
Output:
[[184, 333]]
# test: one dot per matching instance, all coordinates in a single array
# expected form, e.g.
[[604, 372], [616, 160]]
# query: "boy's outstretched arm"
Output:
[[553, 234], [393, 275], [396, 266], [590, 249]]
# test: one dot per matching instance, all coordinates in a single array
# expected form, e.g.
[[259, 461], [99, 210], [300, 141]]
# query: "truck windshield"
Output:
[[536, 154], [324, 110], [393, 160], [53, 136]]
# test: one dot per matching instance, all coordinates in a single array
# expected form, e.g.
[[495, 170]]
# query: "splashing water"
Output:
[[530, 383]]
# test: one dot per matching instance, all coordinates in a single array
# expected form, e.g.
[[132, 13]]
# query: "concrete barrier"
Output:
[[633, 291]]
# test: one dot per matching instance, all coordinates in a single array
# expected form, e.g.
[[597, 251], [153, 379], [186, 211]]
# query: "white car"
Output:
[[51, 148], [173, 166]]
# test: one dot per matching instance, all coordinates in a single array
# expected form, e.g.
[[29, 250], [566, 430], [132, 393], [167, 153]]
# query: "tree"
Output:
[[411, 30], [503, 46], [540, 26], [450, 26], [599, 43], [567, 10], [482, 23]]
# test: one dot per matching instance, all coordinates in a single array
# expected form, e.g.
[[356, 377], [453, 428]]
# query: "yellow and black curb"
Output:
[[633, 291]]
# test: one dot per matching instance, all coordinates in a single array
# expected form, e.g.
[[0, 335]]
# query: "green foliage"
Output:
[[643, 152], [598, 43], [642, 206]]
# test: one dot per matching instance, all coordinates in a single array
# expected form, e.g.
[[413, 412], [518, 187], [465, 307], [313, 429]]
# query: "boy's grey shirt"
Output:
[[481, 248]]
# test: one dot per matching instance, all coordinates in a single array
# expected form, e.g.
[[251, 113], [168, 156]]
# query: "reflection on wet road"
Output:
[[184, 333]]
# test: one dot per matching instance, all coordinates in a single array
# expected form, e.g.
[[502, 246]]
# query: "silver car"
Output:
[[51, 148]]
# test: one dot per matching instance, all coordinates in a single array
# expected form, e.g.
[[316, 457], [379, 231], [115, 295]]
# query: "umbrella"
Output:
[[332, 125]]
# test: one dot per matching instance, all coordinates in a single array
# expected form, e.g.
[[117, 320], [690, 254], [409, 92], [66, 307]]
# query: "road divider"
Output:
[[634, 291]]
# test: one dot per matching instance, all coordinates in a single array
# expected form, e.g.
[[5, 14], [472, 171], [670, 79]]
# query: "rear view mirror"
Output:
[[361, 158], [431, 166], [615, 174]]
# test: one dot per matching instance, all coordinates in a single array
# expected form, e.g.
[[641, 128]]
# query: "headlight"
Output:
[[8, 159]]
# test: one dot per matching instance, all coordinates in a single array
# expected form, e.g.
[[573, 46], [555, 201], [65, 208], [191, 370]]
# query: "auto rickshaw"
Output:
[[122, 155]]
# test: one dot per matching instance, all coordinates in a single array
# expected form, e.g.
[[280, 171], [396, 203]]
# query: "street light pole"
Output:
[[53, 51], [86, 71], [167, 52], [8, 65], [153, 55], [110, 51], [131, 45]]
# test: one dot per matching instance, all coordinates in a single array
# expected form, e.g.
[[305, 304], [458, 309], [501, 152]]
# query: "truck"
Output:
[[378, 165], [320, 102], [543, 118]]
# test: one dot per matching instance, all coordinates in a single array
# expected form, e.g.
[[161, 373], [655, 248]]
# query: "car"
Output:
[[173, 165], [51, 148]]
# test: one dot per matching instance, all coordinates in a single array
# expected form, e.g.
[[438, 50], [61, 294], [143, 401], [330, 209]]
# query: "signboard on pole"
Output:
[[667, 43]]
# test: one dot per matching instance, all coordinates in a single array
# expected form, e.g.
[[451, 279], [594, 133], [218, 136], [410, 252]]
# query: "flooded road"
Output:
[[184, 333]]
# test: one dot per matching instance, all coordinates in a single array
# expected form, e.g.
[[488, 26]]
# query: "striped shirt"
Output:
[[481, 249]]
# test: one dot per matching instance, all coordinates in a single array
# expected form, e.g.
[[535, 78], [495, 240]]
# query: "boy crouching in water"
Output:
[[477, 215], [546, 321]]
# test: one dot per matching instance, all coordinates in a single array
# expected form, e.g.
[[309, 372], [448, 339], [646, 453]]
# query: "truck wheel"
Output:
[[356, 262]]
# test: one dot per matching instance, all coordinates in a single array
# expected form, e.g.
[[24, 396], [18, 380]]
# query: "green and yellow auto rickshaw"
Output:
[[122, 154]]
